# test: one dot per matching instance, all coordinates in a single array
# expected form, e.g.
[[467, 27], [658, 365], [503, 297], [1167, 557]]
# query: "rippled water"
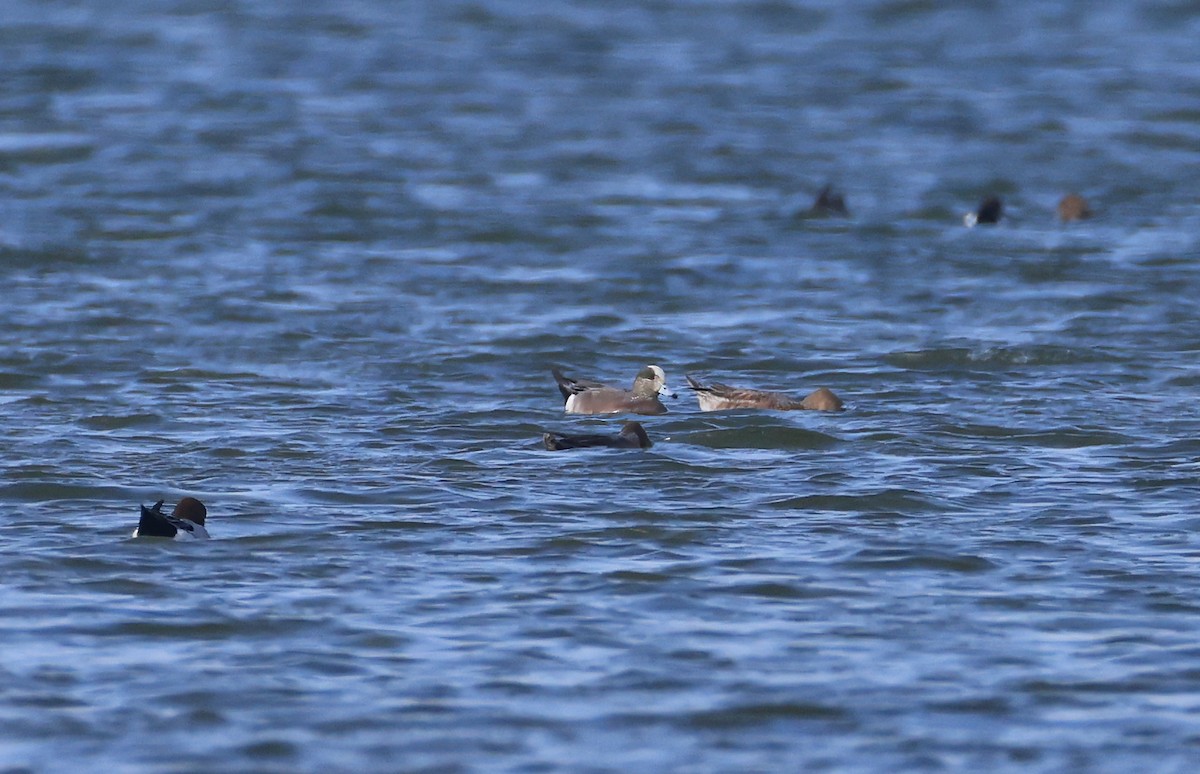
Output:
[[312, 263]]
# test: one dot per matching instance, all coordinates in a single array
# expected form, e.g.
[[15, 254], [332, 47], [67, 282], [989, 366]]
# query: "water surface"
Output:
[[312, 263]]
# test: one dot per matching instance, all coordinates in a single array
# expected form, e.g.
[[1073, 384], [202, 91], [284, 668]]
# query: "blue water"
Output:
[[312, 263]]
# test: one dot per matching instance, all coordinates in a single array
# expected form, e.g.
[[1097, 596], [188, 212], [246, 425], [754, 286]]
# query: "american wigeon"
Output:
[[632, 436], [722, 397], [1073, 207], [186, 521], [829, 201], [583, 396], [990, 210]]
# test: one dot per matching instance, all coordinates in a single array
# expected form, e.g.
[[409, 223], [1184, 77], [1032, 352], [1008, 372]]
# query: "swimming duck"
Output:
[[583, 396], [990, 211], [722, 397], [186, 521], [829, 201], [632, 436], [1073, 207]]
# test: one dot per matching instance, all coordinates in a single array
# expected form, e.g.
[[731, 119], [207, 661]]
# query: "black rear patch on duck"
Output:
[[155, 523], [990, 210]]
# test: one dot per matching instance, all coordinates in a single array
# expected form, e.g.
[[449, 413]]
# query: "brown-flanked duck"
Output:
[[632, 436], [583, 396], [722, 397], [186, 521], [1073, 207]]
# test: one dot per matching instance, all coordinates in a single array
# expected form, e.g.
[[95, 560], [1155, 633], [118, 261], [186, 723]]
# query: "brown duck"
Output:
[[722, 397]]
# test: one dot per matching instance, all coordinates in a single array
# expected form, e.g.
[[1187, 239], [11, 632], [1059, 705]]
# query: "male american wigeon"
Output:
[[632, 436], [583, 396], [186, 521], [990, 211], [1073, 207], [722, 397]]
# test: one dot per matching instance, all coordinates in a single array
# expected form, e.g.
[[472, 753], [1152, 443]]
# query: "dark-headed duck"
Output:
[[829, 201], [990, 211], [632, 436], [186, 521]]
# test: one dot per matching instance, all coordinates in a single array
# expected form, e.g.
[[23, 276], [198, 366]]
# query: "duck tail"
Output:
[[564, 383], [154, 523]]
